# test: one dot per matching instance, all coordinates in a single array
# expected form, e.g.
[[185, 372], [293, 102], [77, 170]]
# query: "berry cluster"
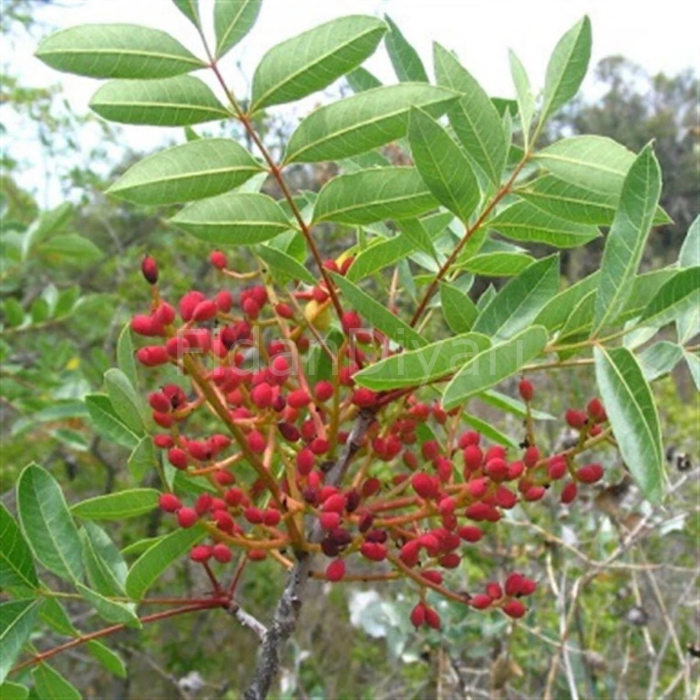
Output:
[[408, 493]]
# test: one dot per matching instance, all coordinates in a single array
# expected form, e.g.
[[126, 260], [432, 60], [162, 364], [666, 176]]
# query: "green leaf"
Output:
[[659, 359], [567, 68], [110, 610], [496, 264], [235, 218], [361, 79], [595, 163], [377, 257], [443, 165], [142, 459], [581, 318], [415, 229], [644, 288], [194, 170], [282, 263], [180, 101], [313, 60], [124, 400], [373, 195], [117, 506], [628, 235], [689, 255], [516, 305], [524, 222], [107, 423], [70, 248], [474, 118], [630, 406], [56, 617], [676, 297], [49, 684], [47, 523], [190, 9], [525, 98], [404, 58], [16, 563], [155, 560], [511, 405], [692, 360], [569, 201], [378, 315], [141, 546], [233, 19], [117, 51], [489, 432], [424, 365], [494, 365], [13, 691], [363, 122], [17, 620], [459, 310], [104, 565], [107, 658], [125, 355]]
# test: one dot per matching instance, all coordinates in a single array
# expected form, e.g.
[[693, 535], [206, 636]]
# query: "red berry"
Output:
[[432, 619], [364, 398], [528, 586], [590, 473], [223, 301], [473, 457], [576, 419], [468, 438], [298, 398], [535, 493], [569, 492], [424, 485], [218, 259], [430, 449], [478, 487], [262, 395], [497, 469], [329, 521], [470, 533], [159, 402], [335, 571], [148, 326], [494, 590], [163, 441], [201, 553], [178, 458], [169, 502], [350, 321], [373, 551], [250, 308], [204, 311], [257, 442], [450, 561], [221, 553], [305, 461], [531, 456], [152, 355], [514, 608], [323, 391], [203, 504], [514, 583], [596, 410], [481, 601], [149, 269], [526, 390], [187, 517], [556, 468], [188, 303], [418, 615], [284, 310]]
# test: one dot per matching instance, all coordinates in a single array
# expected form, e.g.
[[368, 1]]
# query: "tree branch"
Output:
[[288, 608]]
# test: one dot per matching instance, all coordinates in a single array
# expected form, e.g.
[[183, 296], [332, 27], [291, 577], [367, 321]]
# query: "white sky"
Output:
[[660, 36]]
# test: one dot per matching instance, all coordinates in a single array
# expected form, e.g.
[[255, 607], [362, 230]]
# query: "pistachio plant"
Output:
[[319, 411]]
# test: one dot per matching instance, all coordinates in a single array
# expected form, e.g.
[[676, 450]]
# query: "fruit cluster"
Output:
[[287, 469]]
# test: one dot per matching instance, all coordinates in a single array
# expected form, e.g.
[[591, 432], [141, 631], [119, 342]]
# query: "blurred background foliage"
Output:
[[69, 281]]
